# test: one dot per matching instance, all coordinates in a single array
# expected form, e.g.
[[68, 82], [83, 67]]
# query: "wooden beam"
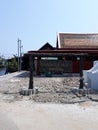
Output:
[[31, 61], [54, 54], [81, 72]]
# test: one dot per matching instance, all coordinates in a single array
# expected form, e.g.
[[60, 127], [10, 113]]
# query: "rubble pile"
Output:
[[50, 89]]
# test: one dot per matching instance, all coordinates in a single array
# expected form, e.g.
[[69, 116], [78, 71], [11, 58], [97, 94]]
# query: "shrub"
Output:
[[12, 65]]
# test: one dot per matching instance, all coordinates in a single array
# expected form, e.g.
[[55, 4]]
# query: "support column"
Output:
[[31, 61], [81, 72], [38, 65]]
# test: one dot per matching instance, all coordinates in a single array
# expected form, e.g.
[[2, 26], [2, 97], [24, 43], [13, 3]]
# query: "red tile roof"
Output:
[[77, 40]]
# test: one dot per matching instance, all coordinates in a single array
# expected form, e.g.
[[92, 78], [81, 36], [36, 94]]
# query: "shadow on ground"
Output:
[[23, 75]]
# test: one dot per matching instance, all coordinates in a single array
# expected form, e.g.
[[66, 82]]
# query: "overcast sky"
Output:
[[37, 22]]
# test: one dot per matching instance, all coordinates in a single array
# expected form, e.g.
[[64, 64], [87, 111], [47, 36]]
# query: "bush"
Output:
[[12, 65]]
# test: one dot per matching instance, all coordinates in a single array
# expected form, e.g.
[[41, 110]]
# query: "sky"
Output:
[[37, 22]]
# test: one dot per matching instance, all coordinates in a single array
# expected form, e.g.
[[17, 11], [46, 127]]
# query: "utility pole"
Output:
[[19, 54]]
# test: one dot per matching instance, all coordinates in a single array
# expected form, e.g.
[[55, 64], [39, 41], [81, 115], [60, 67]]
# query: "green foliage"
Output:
[[2, 62], [12, 65]]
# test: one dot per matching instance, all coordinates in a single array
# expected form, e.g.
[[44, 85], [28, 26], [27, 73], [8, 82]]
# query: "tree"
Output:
[[12, 65]]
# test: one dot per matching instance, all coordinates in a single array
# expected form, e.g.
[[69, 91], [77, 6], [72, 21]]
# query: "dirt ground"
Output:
[[58, 105]]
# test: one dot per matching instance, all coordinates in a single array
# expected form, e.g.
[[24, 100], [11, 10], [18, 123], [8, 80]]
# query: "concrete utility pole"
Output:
[[19, 54]]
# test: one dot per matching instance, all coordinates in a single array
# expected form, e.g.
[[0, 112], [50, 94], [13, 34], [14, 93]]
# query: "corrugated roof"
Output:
[[77, 40]]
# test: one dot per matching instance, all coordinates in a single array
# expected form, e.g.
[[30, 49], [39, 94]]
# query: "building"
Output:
[[65, 56]]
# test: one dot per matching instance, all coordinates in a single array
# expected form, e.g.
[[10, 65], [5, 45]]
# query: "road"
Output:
[[26, 115]]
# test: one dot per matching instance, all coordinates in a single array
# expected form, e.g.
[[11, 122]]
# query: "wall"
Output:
[[55, 66], [86, 66]]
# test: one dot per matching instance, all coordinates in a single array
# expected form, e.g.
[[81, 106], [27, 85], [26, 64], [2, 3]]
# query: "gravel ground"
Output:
[[50, 89], [58, 105]]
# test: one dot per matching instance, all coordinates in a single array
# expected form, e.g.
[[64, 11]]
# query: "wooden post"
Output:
[[81, 72], [31, 61], [38, 65]]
